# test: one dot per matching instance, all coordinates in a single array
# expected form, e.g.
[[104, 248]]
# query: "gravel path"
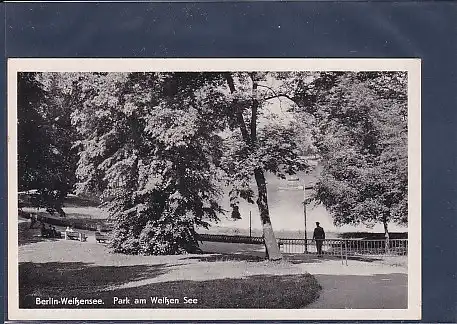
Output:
[[386, 291]]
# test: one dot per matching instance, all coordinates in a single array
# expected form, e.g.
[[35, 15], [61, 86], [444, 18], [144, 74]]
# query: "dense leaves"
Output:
[[46, 159], [159, 146], [361, 136], [150, 146]]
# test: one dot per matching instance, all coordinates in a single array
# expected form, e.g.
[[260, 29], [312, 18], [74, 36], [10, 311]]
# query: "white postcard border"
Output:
[[412, 66]]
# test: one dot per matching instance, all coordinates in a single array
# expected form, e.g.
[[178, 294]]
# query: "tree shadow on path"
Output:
[[253, 256], [298, 258], [222, 251], [221, 257]]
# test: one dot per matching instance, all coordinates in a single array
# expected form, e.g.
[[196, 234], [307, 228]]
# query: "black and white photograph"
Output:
[[214, 189]]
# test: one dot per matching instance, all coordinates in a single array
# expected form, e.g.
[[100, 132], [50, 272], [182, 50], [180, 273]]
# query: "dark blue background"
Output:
[[427, 30]]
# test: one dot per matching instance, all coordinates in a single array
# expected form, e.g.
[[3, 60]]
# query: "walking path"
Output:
[[380, 291], [360, 284]]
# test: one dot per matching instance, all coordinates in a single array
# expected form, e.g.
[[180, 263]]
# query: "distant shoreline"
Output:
[[300, 234]]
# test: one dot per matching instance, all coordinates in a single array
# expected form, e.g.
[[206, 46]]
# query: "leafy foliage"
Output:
[[150, 147], [362, 139], [270, 143], [46, 159], [160, 145]]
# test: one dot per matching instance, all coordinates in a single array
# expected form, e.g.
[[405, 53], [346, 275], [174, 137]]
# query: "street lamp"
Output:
[[301, 187], [304, 216], [304, 213]]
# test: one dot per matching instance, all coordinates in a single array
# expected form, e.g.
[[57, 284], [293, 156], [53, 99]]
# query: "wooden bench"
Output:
[[99, 237], [75, 236]]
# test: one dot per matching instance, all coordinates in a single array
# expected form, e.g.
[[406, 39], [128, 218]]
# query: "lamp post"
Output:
[[299, 187], [250, 223], [304, 216], [304, 213]]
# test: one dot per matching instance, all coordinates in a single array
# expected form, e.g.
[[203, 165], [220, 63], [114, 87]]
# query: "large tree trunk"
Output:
[[386, 235], [271, 245], [385, 223]]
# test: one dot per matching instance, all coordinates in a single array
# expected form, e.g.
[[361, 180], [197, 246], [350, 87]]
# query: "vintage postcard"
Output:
[[214, 189]]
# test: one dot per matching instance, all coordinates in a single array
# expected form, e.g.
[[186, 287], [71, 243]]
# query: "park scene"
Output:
[[265, 190]]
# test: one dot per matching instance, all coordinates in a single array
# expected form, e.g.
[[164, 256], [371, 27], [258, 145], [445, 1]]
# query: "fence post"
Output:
[[387, 249], [341, 251], [346, 250]]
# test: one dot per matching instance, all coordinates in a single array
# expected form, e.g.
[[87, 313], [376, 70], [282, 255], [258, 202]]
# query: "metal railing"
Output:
[[231, 238], [346, 247], [330, 247]]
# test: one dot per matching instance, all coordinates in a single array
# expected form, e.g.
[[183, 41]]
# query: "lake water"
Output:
[[286, 210]]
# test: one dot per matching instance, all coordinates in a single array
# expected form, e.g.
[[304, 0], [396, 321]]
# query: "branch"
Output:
[[255, 106], [269, 88], [274, 92], [284, 96], [238, 112], [230, 82]]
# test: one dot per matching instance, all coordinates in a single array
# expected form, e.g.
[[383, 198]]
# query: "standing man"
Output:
[[319, 237]]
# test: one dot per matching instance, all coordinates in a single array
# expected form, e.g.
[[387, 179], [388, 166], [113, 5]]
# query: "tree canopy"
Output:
[[361, 136], [159, 147], [149, 144], [46, 159]]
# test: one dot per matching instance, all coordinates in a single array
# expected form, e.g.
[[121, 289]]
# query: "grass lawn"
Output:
[[260, 291]]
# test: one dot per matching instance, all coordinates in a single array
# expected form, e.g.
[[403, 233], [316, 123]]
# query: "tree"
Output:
[[31, 132], [161, 145], [362, 139], [46, 162], [149, 145], [254, 149]]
